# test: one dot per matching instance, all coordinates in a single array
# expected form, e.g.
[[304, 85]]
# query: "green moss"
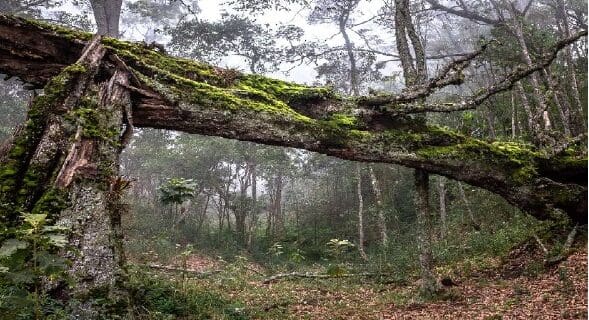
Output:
[[92, 122], [194, 83], [18, 181], [67, 33], [343, 120]]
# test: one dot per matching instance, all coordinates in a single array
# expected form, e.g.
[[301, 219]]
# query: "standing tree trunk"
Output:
[[360, 214], [242, 207], [107, 14], [415, 73], [471, 218], [382, 223], [542, 108], [443, 213], [578, 124], [65, 163], [354, 85], [254, 209], [277, 207], [429, 284], [563, 106]]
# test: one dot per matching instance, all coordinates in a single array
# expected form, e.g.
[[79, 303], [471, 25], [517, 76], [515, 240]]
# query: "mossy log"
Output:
[[184, 95]]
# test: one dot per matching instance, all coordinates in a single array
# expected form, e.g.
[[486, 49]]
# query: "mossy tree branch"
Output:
[[179, 94]]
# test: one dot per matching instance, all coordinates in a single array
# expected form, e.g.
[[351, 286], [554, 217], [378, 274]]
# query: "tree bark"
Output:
[[416, 66], [382, 222], [542, 108], [443, 213], [429, 285], [578, 119], [360, 214], [107, 14], [563, 106], [254, 210], [350, 50], [65, 163]]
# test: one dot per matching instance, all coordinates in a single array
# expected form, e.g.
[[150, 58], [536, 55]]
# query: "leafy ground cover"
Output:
[[516, 286]]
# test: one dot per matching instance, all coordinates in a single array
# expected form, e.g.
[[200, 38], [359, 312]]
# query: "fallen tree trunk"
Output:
[[178, 94]]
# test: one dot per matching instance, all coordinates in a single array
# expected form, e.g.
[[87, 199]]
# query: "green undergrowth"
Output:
[[164, 297]]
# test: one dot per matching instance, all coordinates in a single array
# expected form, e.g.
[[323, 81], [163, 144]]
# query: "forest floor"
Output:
[[515, 287]]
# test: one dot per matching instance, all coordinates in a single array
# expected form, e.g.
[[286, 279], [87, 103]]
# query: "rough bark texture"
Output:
[[183, 95], [107, 14], [418, 76], [65, 163]]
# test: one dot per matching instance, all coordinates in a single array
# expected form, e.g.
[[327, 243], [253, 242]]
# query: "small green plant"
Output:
[[337, 248], [184, 256], [27, 262], [296, 256], [276, 250]]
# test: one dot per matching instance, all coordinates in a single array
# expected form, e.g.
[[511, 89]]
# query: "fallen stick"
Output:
[[180, 270], [279, 276]]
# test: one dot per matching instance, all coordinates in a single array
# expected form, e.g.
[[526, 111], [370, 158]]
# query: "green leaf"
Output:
[[3, 269], [58, 240], [35, 220], [10, 246]]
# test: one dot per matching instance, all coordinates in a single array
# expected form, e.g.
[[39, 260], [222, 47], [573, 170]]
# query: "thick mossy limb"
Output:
[[20, 182]]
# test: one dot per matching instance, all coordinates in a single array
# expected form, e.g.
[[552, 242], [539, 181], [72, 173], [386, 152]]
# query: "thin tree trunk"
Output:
[[542, 109], [443, 214], [351, 57], [429, 285], [382, 223], [254, 209], [513, 116], [203, 215], [473, 222], [578, 120], [360, 214], [533, 124], [279, 218], [562, 107], [414, 72]]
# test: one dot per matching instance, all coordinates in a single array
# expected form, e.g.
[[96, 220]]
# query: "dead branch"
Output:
[[198, 274], [451, 74], [565, 251], [391, 106], [293, 275]]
